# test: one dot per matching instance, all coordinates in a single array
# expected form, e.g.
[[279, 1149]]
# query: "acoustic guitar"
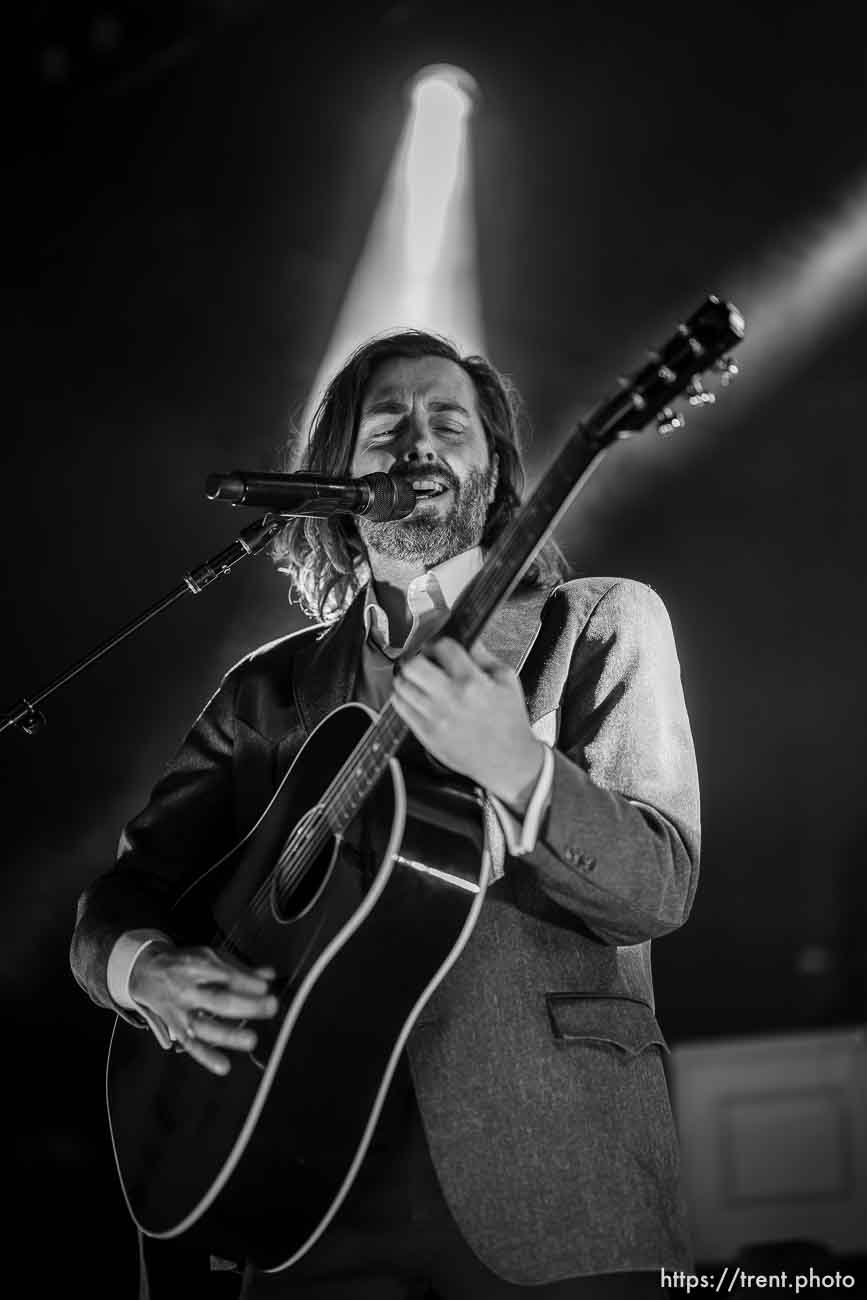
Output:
[[360, 884]]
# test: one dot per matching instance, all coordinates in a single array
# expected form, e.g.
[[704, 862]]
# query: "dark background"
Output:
[[188, 187]]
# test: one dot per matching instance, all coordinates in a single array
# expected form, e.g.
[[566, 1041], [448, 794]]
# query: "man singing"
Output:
[[527, 1143]]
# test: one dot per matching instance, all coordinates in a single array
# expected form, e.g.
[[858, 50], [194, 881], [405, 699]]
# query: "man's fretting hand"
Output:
[[202, 999], [468, 711]]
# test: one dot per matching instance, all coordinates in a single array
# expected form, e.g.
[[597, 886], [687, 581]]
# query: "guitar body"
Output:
[[257, 1162]]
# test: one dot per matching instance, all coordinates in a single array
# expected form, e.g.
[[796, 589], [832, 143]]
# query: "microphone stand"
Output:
[[252, 539]]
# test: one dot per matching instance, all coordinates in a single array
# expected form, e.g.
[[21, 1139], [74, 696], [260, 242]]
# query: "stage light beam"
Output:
[[418, 268], [793, 295], [435, 161]]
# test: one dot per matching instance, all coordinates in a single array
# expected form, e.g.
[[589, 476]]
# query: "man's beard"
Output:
[[429, 538]]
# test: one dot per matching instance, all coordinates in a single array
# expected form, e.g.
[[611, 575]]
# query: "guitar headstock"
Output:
[[698, 347]]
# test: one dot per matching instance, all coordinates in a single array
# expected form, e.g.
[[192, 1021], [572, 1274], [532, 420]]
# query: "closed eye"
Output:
[[440, 427]]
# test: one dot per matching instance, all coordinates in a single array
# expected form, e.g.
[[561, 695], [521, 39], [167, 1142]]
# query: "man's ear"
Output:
[[495, 477]]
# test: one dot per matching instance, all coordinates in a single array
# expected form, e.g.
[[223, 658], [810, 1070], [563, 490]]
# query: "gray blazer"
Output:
[[538, 1061]]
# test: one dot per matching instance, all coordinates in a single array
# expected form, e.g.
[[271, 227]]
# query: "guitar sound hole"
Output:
[[292, 900]]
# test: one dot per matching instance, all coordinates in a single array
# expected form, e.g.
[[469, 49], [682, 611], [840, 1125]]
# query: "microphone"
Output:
[[376, 496]]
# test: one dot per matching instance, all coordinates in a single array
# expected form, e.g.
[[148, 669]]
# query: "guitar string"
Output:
[[308, 850]]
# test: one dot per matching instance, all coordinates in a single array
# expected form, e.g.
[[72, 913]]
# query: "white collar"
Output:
[[432, 592]]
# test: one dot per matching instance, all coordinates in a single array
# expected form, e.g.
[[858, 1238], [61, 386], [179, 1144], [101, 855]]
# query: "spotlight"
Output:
[[444, 86], [418, 266]]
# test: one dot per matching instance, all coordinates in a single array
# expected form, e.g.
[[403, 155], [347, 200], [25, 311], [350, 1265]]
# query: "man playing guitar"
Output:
[[526, 1141]]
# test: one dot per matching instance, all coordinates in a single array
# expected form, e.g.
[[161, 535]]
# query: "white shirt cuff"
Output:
[[121, 960], [521, 836]]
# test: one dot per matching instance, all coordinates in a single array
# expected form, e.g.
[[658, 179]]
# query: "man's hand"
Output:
[[202, 999], [468, 710]]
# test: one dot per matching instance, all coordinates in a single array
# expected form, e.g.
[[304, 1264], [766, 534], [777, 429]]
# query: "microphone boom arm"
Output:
[[28, 717]]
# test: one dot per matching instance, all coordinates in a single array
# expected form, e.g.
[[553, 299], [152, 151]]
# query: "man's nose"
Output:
[[416, 446]]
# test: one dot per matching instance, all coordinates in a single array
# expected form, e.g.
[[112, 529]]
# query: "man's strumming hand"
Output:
[[468, 711]]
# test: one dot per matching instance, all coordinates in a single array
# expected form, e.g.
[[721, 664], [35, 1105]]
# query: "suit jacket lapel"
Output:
[[325, 674], [512, 630]]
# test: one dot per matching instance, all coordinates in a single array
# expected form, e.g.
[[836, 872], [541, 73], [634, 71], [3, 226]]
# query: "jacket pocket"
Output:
[[623, 1022]]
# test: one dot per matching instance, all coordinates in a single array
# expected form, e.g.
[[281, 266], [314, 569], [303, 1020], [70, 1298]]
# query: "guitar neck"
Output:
[[514, 550]]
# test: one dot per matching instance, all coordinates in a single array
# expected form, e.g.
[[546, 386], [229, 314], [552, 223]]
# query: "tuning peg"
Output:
[[668, 421], [728, 369], [698, 395]]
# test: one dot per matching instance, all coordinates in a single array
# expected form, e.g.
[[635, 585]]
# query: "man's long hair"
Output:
[[325, 558]]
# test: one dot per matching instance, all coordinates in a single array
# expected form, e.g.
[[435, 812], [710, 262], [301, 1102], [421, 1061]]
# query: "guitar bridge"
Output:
[[447, 877]]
